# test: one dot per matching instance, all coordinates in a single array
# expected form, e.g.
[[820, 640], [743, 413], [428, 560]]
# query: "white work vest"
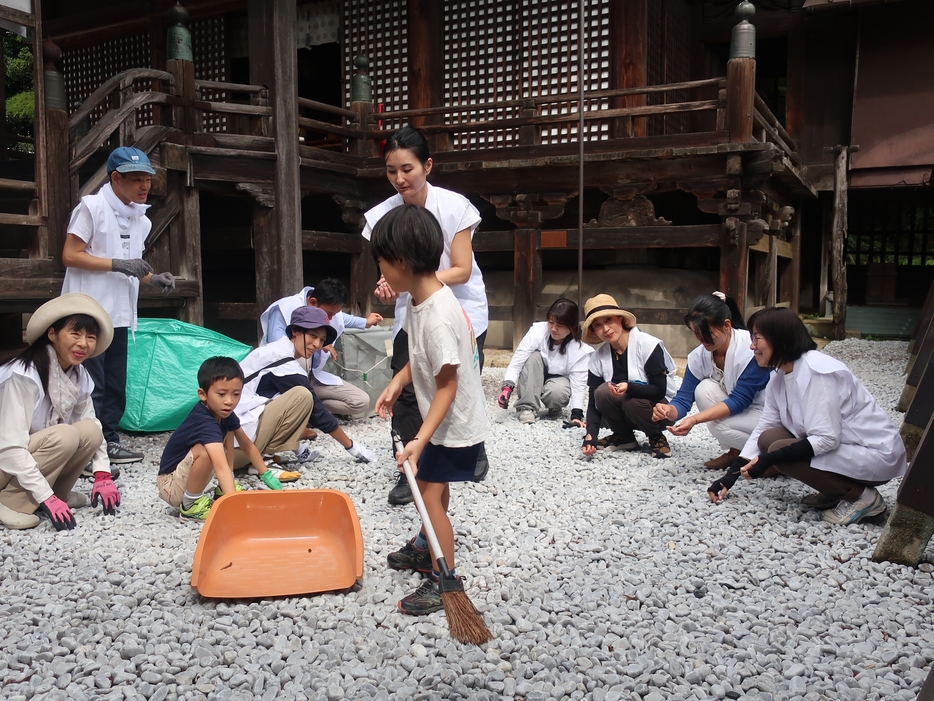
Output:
[[641, 346], [738, 355]]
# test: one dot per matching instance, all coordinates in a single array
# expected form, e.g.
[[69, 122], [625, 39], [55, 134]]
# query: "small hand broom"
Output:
[[465, 622]]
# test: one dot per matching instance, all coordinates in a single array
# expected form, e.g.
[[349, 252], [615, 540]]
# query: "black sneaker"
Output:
[[659, 446], [618, 441], [401, 494], [483, 466], [119, 455], [426, 599], [410, 558], [89, 473]]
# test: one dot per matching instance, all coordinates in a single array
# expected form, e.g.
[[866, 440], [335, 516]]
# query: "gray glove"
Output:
[[164, 282], [134, 267]]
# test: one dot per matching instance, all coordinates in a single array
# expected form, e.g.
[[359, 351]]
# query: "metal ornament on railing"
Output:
[[179, 36], [743, 41], [362, 87]]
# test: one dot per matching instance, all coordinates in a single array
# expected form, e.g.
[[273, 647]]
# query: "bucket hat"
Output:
[[66, 305], [599, 307], [308, 318]]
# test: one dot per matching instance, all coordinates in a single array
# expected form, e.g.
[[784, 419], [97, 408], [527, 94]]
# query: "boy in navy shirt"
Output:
[[203, 444]]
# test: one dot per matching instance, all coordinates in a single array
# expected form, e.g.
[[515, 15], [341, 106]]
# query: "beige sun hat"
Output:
[[66, 305], [599, 307]]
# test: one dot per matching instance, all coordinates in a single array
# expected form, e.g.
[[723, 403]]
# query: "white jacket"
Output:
[[251, 404], [848, 430], [641, 346], [572, 365]]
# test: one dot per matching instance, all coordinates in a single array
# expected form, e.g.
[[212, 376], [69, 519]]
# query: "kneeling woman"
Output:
[[48, 430], [819, 425], [549, 368], [628, 375], [722, 377]]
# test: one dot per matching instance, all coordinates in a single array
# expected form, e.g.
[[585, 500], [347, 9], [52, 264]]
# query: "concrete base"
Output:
[[911, 437], [908, 393], [905, 536]]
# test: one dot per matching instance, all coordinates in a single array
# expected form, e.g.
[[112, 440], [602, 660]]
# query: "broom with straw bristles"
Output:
[[465, 622]]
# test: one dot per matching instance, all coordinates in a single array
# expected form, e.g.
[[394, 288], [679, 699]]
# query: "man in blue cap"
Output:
[[103, 256]]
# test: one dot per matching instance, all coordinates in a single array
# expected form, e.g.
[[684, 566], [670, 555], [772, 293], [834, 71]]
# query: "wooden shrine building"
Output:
[[704, 135]]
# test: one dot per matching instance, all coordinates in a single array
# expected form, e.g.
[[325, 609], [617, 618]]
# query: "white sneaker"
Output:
[[847, 512], [16, 520], [527, 416]]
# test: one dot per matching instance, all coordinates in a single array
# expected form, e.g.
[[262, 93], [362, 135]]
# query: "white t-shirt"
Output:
[[454, 213], [109, 234], [440, 334]]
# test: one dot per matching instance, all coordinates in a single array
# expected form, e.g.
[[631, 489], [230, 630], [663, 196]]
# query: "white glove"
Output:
[[361, 452]]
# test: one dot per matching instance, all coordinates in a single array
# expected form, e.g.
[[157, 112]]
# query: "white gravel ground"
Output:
[[610, 579]]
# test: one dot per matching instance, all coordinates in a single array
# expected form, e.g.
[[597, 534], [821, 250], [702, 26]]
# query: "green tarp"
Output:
[[162, 371]]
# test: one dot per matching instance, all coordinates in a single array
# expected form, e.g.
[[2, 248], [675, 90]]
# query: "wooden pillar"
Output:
[[185, 242], [790, 284], [363, 270], [741, 76], [838, 240], [277, 232], [629, 22], [767, 275], [527, 273], [734, 262], [425, 36]]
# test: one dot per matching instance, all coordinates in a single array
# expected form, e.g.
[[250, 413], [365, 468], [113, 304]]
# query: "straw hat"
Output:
[[66, 305], [599, 307]]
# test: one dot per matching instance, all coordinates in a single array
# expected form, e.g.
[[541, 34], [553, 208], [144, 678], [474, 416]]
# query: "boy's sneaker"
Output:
[[89, 473], [410, 558], [820, 501], [618, 441], [199, 510], [118, 455], [659, 446], [527, 416], [847, 512], [426, 599], [218, 492]]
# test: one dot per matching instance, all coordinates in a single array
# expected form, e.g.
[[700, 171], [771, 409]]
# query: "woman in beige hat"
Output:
[[628, 375], [49, 430]]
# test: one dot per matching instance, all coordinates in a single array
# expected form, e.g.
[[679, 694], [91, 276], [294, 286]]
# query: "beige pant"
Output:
[[345, 399], [173, 485], [731, 431], [281, 424], [62, 452]]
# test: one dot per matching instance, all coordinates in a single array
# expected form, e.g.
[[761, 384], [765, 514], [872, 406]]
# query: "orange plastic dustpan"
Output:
[[278, 543]]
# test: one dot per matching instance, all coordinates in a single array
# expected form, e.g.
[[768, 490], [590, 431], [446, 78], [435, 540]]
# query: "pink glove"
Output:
[[504, 395], [59, 513], [107, 491]]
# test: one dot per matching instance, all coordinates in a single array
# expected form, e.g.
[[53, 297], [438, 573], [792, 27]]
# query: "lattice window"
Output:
[[891, 227], [209, 49], [669, 61], [520, 49], [86, 68], [377, 29]]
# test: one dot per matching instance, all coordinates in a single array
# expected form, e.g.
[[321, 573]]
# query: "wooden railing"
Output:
[[348, 125], [771, 130]]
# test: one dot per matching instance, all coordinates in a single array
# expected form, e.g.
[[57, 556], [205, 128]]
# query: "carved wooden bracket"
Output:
[[528, 211], [265, 196], [636, 211], [351, 211]]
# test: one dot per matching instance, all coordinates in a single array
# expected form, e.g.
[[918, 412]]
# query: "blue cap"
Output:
[[308, 318], [127, 159]]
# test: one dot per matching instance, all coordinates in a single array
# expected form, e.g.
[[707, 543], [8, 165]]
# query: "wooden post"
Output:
[[57, 153], [734, 262], [277, 232], [629, 22], [425, 35], [767, 275], [741, 77], [185, 242], [527, 272], [838, 241], [790, 283]]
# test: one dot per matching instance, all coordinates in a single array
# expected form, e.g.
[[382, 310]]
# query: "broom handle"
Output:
[[422, 510]]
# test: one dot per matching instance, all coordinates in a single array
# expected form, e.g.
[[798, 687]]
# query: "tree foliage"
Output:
[[18, 87]]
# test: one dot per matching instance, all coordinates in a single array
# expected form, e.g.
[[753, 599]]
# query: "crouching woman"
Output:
[[819, 425], [48, 430]]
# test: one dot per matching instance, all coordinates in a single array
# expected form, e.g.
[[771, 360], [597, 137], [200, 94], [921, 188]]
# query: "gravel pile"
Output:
[[609, 579]]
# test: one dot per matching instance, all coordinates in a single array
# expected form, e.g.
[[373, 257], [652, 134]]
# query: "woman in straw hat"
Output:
[[628, 375], [49, 430]]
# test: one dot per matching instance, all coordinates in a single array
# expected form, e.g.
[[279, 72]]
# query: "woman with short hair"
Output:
[[819, 425], [49, 429]]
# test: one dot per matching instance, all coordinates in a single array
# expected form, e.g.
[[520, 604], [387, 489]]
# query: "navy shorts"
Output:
[[439, 463]]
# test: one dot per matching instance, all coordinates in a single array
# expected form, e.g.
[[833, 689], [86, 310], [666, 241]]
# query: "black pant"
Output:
[[108, 370], [406, 418]]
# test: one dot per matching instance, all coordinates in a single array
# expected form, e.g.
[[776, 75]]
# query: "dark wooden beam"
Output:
[[332, 242], [28, 267]]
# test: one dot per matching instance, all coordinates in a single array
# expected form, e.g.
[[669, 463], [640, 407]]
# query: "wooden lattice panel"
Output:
[[668, 60], [377, 29], [520, 49], [209, 49], [86, 68]]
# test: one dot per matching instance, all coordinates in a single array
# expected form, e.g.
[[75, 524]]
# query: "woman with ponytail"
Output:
[[722, 378]]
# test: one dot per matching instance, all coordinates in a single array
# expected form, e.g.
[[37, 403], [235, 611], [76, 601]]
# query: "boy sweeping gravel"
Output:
[[444, 368], [203, 444]]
